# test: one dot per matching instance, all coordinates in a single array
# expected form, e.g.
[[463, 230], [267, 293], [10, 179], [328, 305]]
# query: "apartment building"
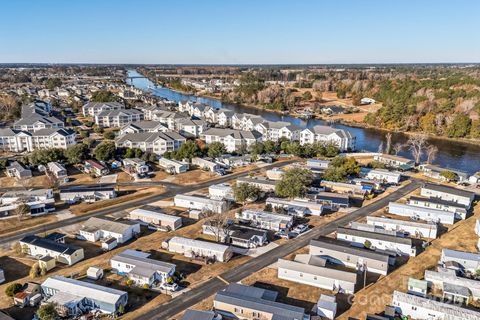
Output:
[[92, 109], [20, 141], [118, 118], [154, 142], [234, 140], [343, 139]]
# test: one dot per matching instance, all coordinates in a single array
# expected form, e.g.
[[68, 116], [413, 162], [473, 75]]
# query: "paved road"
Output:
[[172, 190], [196, 295]]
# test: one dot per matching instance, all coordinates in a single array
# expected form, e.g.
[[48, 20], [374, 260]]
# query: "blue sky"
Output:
[[239, 31]]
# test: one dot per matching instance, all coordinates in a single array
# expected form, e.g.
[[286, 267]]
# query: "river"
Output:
[[451, 154]]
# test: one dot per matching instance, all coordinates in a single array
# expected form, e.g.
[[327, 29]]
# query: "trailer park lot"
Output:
[[197, 272]]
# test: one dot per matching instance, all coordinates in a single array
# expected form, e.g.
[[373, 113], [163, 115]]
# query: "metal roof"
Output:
[[374, 235], [449, 190], [251, 302], [346, 247], [84, 289]]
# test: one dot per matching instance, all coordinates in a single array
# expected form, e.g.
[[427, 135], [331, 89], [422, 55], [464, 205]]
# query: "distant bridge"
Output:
[[135, 77]]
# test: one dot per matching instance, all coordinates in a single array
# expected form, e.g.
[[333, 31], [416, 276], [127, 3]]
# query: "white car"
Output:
[[301, 228], [169, 287]]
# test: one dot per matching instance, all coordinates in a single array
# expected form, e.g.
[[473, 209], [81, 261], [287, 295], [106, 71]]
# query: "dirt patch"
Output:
[[193, 177], [15, 225]]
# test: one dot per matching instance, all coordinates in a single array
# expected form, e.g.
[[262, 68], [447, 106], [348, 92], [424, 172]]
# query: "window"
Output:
[[238, 310]]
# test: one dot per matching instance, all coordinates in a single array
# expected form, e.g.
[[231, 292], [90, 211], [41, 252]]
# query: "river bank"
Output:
[[451, 154], [326, 119]]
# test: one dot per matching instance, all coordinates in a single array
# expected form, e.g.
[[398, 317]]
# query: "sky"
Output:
[[239, 31]]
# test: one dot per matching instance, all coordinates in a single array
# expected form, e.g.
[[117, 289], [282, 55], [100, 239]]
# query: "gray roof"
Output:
[[119, 112], [50, 131], [198, 315], [325, 130], [144, 124], [345, 247], [243, 299], [84, 289], [437, 201], [149, 137], [18, 166], [31, 118], [90, 105], [111, 225], [456, 289], [374, 235], [318, 271], [461, 255], [447, 189], [236, 134], [144, 266]]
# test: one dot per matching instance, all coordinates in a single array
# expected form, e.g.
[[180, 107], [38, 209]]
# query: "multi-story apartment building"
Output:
[[276, 130], [19, 141], [94, 108], [118, 118], [234, 140], [343, 139], [154, 142]]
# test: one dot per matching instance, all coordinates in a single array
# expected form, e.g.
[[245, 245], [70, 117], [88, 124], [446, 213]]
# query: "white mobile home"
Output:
[[57, 170], [135, 166], [417, 307], [40, 247], [318, 164], [425, 230], [297, 207], [435, 172], [172, 166], [442, 276], [439, 204], [266, 220], [382, 175], [463, 197], [140, 268], [91, 194], [103, 299], [263, 184], [156, 218], [343, 253], [95, 229], [317, 276], [426, 214], [237, 235], [346, 188], [221, 191], [395, 161], [200, 203], [373, 240], [467, 260], [199, 249], [205, 164]]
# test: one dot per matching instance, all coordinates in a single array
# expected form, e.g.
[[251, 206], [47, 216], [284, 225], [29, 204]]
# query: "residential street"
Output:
[[172, 190], [210, 287]]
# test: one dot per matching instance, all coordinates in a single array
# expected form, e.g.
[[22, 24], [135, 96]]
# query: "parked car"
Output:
[[301, 228], [169, 287], [282, 234]]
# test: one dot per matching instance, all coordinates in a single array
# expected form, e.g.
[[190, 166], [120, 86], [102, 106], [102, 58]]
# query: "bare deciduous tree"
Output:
[[397, 147], [417, 144], [388, 148], [380, 147], [431, 153], [218, 224], [22, 210]]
